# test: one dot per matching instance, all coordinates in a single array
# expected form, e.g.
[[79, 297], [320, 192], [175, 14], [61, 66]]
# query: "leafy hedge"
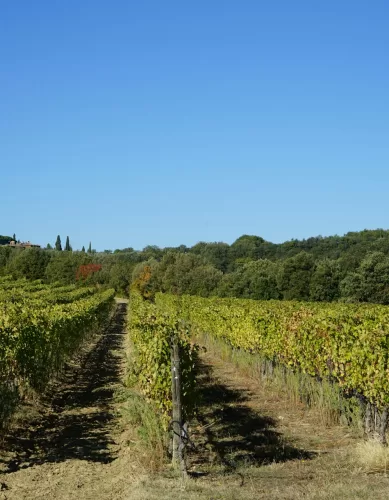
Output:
[[152, 332]]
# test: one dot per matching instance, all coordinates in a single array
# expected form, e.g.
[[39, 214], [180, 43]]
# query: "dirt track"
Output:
[[71, 448]]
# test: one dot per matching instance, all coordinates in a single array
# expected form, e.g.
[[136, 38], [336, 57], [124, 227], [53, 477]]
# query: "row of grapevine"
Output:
[[38, 335], [345, 343], [23, 284], [152, 333], [6, 279], [57, 295]]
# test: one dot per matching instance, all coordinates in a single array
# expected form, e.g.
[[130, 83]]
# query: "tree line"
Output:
[[349, 268]]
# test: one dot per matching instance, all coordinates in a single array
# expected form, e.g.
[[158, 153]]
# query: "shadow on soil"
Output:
[[231, 433], [78, 423]]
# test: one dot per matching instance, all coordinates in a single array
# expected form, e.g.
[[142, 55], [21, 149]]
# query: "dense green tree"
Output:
[[4, 240], [152, 252], [63, 266], [252, 280], [125, 250], [248, 246], [90, 248], [116, 269], [295, 276], [49, 247], [6, 254], [181, 273], [370, 283], [325, 281], [68, 248], [58, 245], [14, 237], [217, 254], [83, 249], [203, 281], [120, 276], [30, 263], [351, 288]]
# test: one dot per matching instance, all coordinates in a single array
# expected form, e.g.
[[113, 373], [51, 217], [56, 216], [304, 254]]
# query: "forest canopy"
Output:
[[349, 268]]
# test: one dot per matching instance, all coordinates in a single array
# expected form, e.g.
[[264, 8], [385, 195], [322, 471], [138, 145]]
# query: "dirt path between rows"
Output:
[[242, 421], [71, 448], [252, 441]]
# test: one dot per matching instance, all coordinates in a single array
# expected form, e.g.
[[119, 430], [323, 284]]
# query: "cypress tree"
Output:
[[83, 249], [67, 245], [14, 237], [90, 248], [58, 245]]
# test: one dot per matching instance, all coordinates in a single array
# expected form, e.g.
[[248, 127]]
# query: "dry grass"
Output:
[[372, 457], [142, 431], [324, 479]]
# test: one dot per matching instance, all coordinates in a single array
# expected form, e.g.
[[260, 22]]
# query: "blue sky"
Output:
[[132, 123]]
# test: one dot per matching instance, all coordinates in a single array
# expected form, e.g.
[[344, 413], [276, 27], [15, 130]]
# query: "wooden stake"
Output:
[[177, 423]]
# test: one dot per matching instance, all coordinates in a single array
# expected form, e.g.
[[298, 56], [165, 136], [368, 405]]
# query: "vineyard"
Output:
[[344, 344], [41, 326], [112, 408]]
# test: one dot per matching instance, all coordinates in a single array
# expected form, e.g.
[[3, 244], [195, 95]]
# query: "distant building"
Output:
[[26, 244]]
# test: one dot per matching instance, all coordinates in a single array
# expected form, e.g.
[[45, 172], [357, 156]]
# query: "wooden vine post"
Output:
[[177, 423]]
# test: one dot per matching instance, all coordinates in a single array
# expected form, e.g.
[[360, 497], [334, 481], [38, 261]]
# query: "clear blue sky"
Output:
[[130, 123]]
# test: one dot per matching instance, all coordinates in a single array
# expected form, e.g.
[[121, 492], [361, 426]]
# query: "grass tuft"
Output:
[[372, 457], [144, 431]]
